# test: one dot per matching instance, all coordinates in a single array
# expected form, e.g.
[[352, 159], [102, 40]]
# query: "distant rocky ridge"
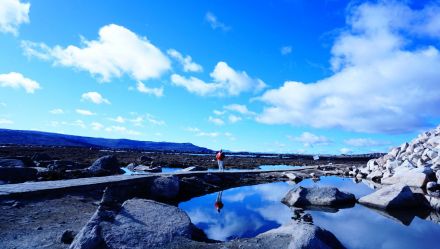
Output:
[[20, 137]]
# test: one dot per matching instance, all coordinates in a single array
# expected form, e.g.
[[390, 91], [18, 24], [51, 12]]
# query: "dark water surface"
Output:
[[251, 210]]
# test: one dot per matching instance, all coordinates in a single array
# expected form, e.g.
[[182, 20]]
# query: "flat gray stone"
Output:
[[392, 197]]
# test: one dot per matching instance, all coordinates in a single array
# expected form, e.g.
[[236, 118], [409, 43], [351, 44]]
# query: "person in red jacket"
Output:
[[220, 156]]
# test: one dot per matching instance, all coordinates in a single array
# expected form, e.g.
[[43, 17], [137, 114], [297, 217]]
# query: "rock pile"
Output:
[[413, 164]]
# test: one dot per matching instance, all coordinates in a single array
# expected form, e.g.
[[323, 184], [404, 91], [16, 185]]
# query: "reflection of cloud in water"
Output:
[[277, 213], [232, 225], [237, 197], [198, 216], [272, 192], [359, 227]]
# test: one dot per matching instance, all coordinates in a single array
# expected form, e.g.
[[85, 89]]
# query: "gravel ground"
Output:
[[40, 223]]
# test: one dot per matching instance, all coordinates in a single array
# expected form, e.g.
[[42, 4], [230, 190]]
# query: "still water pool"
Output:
[[250, 210]]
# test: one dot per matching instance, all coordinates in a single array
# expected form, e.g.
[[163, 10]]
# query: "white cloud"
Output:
[[85, 112], [216, 121], [201, 133], [187, 63], [286, 50], [218, 113], [17, 80], [79, 123], [118, 51], [3, 104], [118, 119], [345, 151], [57, 111], [152, 120], [242, 109], [233, 118], [215, 23], [94, 97], [122, 130], [4, 121], [158, 92], [365, 142], [13, 13], [310, 139], [381, 83], [226, 81], [97, 126], [140, 119]]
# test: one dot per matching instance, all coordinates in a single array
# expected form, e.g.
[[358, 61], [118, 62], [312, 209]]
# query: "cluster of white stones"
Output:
[[414, 164]]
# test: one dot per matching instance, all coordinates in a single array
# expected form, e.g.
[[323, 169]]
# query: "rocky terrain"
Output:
[[415, 164], [36, 163]]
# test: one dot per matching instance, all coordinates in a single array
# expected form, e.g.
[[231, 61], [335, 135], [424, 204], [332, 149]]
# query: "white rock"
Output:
[[413, 178], [392, 197], [375, 175], [404, 167]]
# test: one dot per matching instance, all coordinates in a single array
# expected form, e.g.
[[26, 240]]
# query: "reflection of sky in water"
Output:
[[251, 210], [247, 211]]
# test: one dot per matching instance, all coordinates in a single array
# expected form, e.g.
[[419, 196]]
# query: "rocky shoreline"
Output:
[[145, 214]]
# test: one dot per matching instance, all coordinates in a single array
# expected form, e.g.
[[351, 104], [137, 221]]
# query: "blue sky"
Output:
[[269, 76]]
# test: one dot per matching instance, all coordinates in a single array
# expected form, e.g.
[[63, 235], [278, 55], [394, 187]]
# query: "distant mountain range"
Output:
[[20, 137]]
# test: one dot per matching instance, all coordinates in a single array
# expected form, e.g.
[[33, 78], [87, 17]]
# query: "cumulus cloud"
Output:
[[226, 81], [345, 151], [215, 23], [85, 112], [242, 109], [122, 130], [286, 50], [141, 87], [216, 121], [4, 121], [139, 120], [94, 97], [234, 118], [365, 142], [381, 82], [56, 111], [17, 80], [96, 126], [310, 139], [201, 133], [116, 52], [185, 61], [13, 13], [118, 119]]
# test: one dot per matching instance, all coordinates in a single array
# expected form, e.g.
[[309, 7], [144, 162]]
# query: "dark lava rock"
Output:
[[16, 175], [318, 196], [108, 164], [394, 197], [67, 236]]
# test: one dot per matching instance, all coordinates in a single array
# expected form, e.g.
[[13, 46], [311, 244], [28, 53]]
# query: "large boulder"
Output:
[[393, 197], [139, 224], [17, 175], [296, 235], [106, 164], [417, 177], [318, 196], [165, 187]]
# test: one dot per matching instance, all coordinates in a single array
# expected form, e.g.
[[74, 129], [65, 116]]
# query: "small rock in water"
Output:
[[318, 196], [67, 237]]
